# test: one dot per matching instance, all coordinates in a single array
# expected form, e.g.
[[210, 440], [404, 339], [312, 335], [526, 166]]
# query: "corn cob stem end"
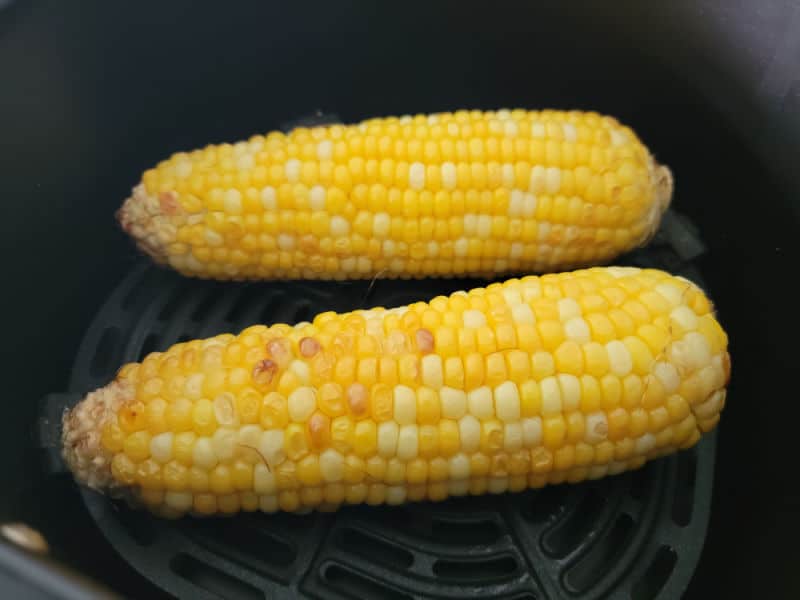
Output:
[[81, 430]]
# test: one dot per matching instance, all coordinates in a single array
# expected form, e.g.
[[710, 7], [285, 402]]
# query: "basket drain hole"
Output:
[[358, 586], [601, 557], [566, 535], [212, 579], [656, 575], [245, 539], [474, 570], [106, 354], [684, 489], [374, 549]]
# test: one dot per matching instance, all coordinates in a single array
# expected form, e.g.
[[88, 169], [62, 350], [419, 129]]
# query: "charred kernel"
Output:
[[264, 372]]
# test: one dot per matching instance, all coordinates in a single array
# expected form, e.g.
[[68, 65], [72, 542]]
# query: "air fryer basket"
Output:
[[636, 535]]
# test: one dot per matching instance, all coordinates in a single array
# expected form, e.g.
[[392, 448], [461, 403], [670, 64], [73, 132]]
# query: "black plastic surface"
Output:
[[636, 535]]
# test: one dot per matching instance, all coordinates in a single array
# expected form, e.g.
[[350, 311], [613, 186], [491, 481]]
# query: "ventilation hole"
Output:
[[106, 354], [358, 586], [568, 534], [606, 550], [640, 483], [245, 299], [546, 502], [245, 541], [204, 307], [302, 313], [475, 570], [150, 345], [465, 532], [684, 488], [373, 548], [212, 579], [137, 524], [656, 575]]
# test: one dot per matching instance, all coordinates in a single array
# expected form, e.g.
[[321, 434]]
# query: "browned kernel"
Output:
[[424, 341], [357, 399], [264, 371], [309, 347], [168, 202], [319, 426]]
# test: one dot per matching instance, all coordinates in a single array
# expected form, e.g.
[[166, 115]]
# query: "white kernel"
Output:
[[213, 238], [668, 375], [458, 465], [577, 330], [570, 132], [506, 401], [460, 247], [432, 375], [543, 233], [453, 401], [183, 169], [474, 318], [316, 197], [484, 226], [469, 429], [512, 296], [508, 175], [551, 396], [480, 403], [268, 504], [511, 128], [619, 358], [537, 181], [645, 443], [470, 225], [407, 442], [247, 443], [416, 176], [458, 487], [193, 388], [553, 180], [286, 241], [710, 407], [537, 130], [596, 427], [516, 203], [570, 392], [529, 205], [301, 403], [161, 447], [232, 202], [568, 308], [497, 485], [331, 465], [452, 129], [617, 137], [388, 432], [405, 405], [301, 369], [245, 162], [224, 443], [684, 317], [339, 226], [269, 198], [619, 272], [180, 501], [395, 494], [203, 455], [531, 431], [512, 437], [325, 150], [381, 224], [225, 409], [671, 292], [448, 176], [388, 248], [292, 170], [271, 447], [364, 264], [263, 480], [692, 352], [432, 248], [348, 265]]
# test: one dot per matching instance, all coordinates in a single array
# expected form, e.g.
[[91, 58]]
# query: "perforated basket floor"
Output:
[[636, 535]]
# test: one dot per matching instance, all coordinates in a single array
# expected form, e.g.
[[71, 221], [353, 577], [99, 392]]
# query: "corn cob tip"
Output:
[[81, 443], [146, 219]]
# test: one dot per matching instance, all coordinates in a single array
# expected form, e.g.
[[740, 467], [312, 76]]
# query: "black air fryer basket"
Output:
[[93, 93]]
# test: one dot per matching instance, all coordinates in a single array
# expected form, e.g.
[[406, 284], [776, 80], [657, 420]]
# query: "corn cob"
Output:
[[467, 193], [565, 377]]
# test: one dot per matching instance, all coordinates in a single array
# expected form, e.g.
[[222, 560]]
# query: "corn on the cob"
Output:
[[533, 381], [442, 195]]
